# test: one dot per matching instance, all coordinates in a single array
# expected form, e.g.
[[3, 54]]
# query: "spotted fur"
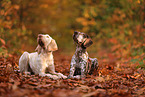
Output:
[[81, 64]]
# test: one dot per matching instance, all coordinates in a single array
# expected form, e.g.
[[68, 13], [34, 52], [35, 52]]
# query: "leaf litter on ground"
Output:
[[113, 78]]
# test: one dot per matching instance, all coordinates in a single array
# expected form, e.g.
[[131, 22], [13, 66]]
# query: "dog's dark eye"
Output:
[[47, 36], [85, 36]]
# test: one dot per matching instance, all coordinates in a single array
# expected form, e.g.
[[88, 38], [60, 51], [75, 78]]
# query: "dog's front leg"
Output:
[[42, 72], [52, 71], [49, 75], [72, 70], [72, 67], [83, 69]]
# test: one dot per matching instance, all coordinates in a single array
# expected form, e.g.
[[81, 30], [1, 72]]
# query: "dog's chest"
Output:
[[84, 56], [81, 58], [47, 59]]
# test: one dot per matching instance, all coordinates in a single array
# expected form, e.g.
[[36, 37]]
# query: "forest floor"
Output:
[[114, 78]]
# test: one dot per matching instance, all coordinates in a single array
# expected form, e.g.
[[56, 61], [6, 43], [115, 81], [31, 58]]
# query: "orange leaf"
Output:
[[2, 41]]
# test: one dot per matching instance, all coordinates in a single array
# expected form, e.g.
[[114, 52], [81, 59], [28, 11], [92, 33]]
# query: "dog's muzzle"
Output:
[[40, 42], [86, 43], [82, 44]]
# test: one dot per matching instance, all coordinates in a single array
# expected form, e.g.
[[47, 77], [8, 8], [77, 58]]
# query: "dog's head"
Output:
[[82, 39], [46, 43]]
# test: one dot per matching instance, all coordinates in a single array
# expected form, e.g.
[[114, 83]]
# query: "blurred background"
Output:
[[116, 26]]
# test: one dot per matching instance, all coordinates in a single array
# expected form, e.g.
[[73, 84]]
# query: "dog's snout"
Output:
[[40, 35], [75, 32]]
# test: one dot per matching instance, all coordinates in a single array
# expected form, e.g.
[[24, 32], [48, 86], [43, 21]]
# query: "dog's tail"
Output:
[[24, 62]]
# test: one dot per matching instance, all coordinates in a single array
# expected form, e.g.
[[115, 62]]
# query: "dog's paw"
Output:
[[60, 75], [48, 75], [64, 77], [55, 77], [77, 77], [69, 76]]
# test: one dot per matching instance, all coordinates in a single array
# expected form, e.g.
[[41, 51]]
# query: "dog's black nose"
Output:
[[40, 35], [75, 32]]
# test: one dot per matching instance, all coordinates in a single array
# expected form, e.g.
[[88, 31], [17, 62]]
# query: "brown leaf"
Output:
[[99, 79], [141, 91], [84, 89], [3, 41], [33, 84], [98, 92]]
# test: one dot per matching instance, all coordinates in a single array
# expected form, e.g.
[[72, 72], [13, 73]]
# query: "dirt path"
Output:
[[114, 78]]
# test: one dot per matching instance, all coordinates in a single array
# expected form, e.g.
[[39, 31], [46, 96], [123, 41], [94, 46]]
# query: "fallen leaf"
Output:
[[99, 79], [98, 92], [3, 41]]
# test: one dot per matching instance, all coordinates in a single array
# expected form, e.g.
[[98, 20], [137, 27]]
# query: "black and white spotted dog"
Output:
[[81, 64]]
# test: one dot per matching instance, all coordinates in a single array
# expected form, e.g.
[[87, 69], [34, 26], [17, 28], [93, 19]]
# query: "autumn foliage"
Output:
[[117, 28]]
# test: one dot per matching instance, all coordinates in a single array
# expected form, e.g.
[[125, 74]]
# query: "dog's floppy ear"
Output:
[[52, 46], [88, 42], [38, 49], [74, 36]]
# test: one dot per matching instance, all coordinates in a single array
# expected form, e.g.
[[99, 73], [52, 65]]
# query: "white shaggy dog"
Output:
[[41, 61]]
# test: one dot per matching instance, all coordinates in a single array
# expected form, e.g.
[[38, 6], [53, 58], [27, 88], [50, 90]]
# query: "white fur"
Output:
[[80, 38], [42, 60]]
